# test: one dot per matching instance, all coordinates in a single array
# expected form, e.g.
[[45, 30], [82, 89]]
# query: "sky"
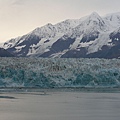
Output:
[[19, 17]]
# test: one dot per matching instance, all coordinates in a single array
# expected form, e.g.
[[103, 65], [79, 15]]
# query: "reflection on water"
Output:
[[7, 97]]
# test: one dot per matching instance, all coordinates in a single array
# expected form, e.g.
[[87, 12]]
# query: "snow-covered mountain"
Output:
[[91, 36]]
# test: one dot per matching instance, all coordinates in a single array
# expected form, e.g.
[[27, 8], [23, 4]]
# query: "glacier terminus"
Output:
[[59, 72]]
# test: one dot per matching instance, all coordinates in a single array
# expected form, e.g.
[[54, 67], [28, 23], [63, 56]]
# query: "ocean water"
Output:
[[59, 105]]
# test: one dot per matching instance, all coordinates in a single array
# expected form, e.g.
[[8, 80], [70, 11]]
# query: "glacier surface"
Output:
[[59, 72]]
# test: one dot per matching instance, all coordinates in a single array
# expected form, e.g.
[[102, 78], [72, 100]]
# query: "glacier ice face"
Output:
[[49, 73]]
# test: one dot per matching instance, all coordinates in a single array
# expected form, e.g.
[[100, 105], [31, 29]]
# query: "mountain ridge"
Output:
[[75, 38]]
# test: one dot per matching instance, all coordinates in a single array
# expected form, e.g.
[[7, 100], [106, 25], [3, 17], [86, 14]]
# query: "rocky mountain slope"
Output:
[[92, 36], [5, 53]]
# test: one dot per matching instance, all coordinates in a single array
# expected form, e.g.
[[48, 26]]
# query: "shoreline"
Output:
[[70, 89]]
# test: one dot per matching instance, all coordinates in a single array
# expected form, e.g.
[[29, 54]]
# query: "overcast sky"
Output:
[[18, 17]]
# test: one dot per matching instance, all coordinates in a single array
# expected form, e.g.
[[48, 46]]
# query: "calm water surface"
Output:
[[57, 105]]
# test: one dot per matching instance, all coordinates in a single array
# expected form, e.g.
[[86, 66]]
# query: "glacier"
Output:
[[59, 72]]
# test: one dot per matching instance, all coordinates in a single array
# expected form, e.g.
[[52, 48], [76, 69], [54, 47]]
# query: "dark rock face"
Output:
[[115, 37], [5, 53], [59, 46], [90, 37], [29, 40], [106, 51], [62, 44]]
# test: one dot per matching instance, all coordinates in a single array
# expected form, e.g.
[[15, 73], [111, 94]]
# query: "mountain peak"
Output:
[[95, 17], [93, 22], [94, 14], [49, 25]]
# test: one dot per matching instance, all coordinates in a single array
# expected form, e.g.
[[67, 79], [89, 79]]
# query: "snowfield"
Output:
[[55, 73]]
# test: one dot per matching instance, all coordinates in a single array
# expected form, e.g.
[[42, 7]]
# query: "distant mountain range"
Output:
[[92, 36]]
